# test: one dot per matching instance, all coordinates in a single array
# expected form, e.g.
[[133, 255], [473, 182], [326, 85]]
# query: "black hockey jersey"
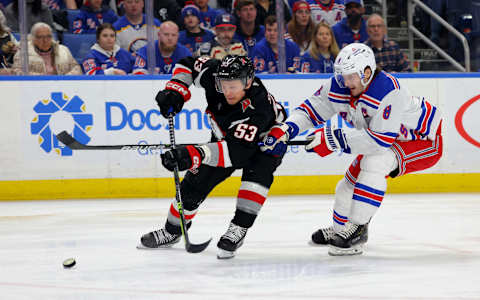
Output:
[[236, 129]]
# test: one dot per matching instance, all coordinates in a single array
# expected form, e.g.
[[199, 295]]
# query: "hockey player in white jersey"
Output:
[[394, 134]]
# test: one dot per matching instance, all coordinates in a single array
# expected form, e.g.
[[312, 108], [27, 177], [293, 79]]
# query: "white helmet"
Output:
[[354, 58]]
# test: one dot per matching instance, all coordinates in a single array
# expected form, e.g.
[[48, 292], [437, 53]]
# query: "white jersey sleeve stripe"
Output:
[[384, 139]]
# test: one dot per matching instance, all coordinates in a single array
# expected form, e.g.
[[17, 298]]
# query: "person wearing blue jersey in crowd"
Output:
[[193, 36], [106, 57], [167, 51], [223, 43], [248, 32], [207, 14], [265, 53], [353, 28], [93, 14], [327, 11], [322, 53], [132, 27]]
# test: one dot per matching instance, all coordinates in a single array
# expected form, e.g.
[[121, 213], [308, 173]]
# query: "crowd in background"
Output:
[[315, 32]]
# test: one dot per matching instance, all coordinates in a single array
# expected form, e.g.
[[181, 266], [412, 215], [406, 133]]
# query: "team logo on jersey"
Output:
[[246, 104], [57, 114], [386, 112]]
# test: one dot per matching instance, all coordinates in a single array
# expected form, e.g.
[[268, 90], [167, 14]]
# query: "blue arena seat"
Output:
[[71, 16], [79, 44], [17, 36]]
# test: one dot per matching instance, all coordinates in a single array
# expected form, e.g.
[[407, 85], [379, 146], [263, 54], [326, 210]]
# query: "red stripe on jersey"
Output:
[[368, 194], [175, 213], [310, 113], [252, 196], [181, 70], [427, 117], [221, 160], [394, 80]]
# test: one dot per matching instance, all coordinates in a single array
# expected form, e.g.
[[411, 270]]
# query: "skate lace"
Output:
[[235, 233], [328, 233], [162, 236], [349, 231]]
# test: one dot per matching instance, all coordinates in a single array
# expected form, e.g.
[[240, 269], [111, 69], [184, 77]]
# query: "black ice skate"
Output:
[[349, 241], [231, 241], [158, 239], [322, 237]]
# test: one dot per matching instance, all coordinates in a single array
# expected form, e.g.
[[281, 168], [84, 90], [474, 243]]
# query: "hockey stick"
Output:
[[73, 144], [191, 248]]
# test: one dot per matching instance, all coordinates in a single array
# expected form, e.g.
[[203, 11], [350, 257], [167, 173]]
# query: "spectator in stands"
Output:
[[36, 12], [300, 28], [193, 35], [8, 48], [106, 57], [167, 50], [322, 53], [353, 28], [165, 10], [248, 32], [132, 28], [267, 8], [46, 56], [265, 53], [57, 5], [387, 53], [207, 14], [327, 11], [93, 14], [224, 43]]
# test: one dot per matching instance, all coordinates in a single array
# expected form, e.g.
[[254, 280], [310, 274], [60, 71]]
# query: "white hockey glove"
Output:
[[326, 140]]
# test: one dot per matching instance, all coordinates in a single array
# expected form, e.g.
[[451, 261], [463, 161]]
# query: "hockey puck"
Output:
[[69, 262]]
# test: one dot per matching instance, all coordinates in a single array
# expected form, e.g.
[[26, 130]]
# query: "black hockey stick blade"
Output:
[[73, 144], [197, 248]]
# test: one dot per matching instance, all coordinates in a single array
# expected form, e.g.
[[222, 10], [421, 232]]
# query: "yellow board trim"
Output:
[[164, 187]]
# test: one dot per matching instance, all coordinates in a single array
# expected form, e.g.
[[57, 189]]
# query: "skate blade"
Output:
[[224, 254], [336, 251], [142, 247]]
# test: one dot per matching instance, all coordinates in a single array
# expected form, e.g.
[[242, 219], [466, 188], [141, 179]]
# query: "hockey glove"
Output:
[[189, 157], [275, 142], [325, 140], [171, 99]]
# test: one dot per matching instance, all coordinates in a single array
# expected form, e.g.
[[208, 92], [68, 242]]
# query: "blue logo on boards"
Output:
[[57, 114]]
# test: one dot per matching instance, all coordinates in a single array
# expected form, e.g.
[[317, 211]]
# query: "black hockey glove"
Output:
[[189, 157], [171, 99]]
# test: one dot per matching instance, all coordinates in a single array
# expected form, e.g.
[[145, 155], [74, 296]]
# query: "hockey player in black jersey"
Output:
[[240, 110]]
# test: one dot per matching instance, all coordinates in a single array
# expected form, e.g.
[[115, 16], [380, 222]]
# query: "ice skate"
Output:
[[322, 237], [231, 241], [158, 239], [349, 241]]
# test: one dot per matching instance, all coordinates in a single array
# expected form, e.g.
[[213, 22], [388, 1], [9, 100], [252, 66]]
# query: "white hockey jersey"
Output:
[[383, 113], [331, 14]]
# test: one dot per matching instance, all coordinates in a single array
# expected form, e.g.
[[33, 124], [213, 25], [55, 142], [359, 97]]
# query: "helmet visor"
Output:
[[234, 84], [347, 80]]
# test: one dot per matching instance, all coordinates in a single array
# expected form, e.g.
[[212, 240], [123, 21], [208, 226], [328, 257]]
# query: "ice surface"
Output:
[[420, 247]]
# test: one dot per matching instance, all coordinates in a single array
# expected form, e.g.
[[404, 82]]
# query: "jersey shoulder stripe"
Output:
[[370, 101], [382, 85]]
